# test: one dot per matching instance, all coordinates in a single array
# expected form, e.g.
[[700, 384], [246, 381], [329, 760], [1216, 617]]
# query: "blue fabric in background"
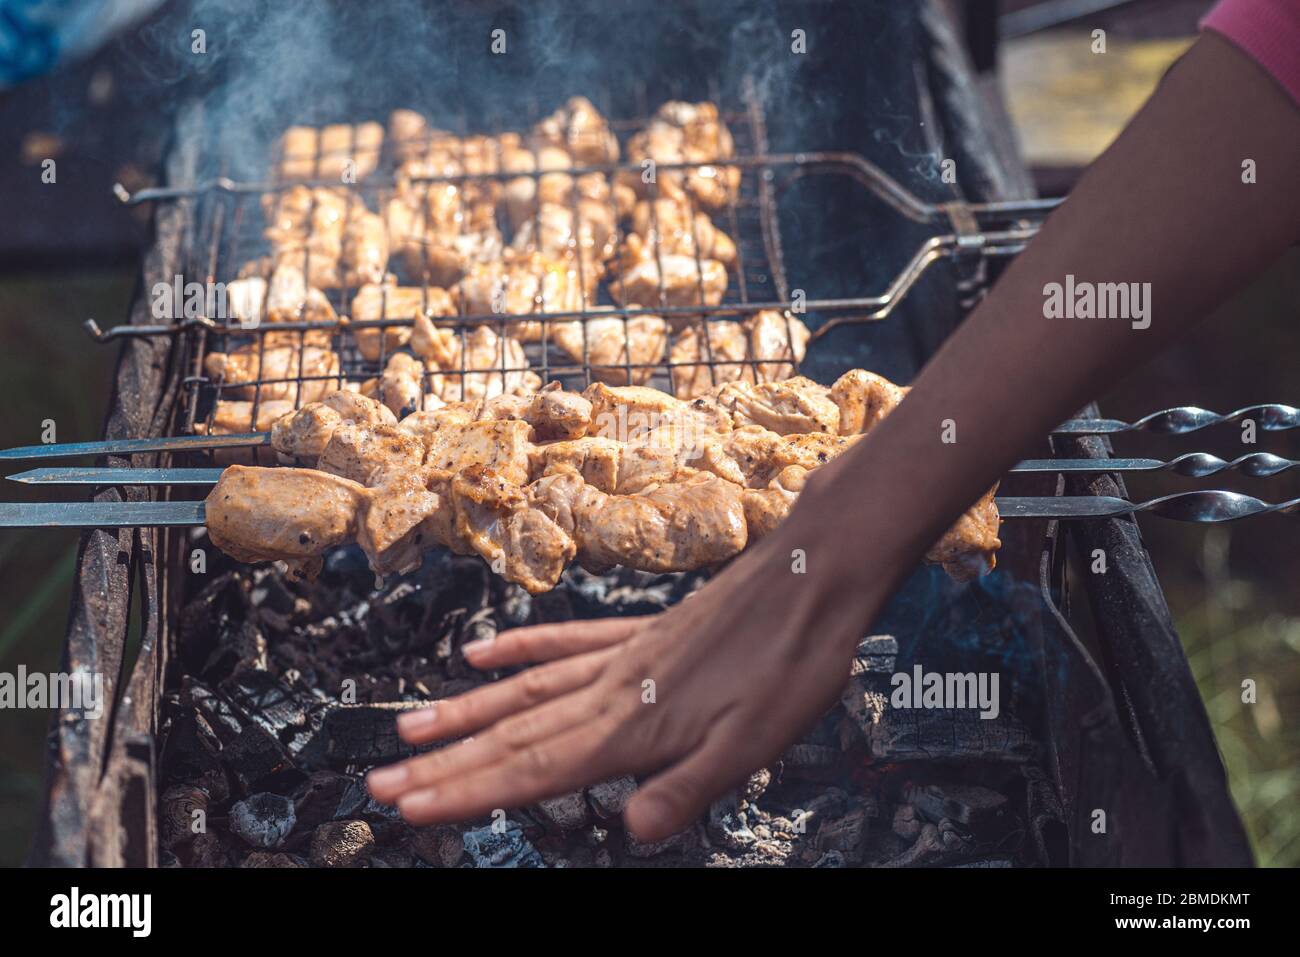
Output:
[[37, 35]]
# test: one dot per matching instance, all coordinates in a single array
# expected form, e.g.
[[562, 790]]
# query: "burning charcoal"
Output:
[[264, 859], [938, 734], [680, 842], [258, 763], [216, 711], [727, 824], [241, 647], [489, 847], [176, 813], [515, 608], [205, 850], [756, 784], [270, 703], [327, 796], [341, 844], [393, 855], [610, 798], [875, 655], [811, 761], [263, 820], [439, 846], [846, 835], [216, 784], [218, 607], [831, 859], [937, 844], [978, 809], [907, 823], [568, 812], [190, 748], [359, 734]]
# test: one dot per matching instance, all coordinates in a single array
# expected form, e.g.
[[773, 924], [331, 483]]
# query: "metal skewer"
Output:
[[1190, 465], [1209, 506], [1182, 420]]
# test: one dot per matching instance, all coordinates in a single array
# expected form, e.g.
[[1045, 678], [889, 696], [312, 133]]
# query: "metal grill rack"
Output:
[[228, 233]]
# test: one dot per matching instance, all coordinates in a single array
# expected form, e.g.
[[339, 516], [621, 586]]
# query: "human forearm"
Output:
[[1165, 205]]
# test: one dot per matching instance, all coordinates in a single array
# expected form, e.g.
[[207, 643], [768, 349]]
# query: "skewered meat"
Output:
[[553, 413], [388, 301], [304, 433], [500, 445], [278, 366], [774, 339], [670, 279], [365, 248], [579, 128], [789, 406], [864, 398], [607, 342], [330, 152], [678, 229], [370, 455], [442, 228], [687, 133], [295, 515]]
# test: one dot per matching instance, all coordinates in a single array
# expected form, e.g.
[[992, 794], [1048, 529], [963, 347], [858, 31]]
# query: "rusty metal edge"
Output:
[[99, 788]]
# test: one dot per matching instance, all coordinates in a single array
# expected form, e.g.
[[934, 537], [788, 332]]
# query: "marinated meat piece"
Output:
[[579, 128], [365, 248], [290, 299], [391, 529], [680, 230], [340, 151], [371, 455], [628, 412], [288, 514], [500, 445], [740, 352], [524, 544], [790, 406], [682, 525], [687, 133], [864, 398], [767, 508], [387, 301], [607, 342], [401, 386], [305, 432], [278, 367], [969, 548], [686, 281], [523, 284], [775, 338], [698, 369], [553, 413], [477, 351], [594, 458], [551, 233], [761, 454]]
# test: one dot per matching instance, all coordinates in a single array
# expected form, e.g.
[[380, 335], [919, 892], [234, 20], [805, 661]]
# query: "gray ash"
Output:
[[284, 693]]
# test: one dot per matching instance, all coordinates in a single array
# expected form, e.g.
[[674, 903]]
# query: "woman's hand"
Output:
[[703, 694]]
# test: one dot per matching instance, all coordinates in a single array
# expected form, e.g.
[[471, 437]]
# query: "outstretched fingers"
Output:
[[549, 642]]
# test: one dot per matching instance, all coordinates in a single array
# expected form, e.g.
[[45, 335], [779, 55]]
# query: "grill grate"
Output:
[[227, 232]]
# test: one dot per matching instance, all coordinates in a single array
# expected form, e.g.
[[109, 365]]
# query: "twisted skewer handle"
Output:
[[1271, 417]]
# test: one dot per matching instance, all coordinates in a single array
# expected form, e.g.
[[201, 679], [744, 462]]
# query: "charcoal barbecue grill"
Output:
[[1103, 737]]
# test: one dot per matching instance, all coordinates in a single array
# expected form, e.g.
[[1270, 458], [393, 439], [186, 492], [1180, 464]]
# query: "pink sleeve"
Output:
[[1266, 30]]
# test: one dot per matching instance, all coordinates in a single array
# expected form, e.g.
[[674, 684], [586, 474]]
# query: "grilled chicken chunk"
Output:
[[670, 226], [493, 365], [304, 433], [670, 279], [389, 301], [756, 350], [607, 343], [371, 455], [281, 365], [521, 284], [679, 526], [864, 398], [578, 128], [294, 515], [687, 133], [790, 406], [499, 445], [969, 548], [330, 152], [551, 231], [767, 508], [401, 386]]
